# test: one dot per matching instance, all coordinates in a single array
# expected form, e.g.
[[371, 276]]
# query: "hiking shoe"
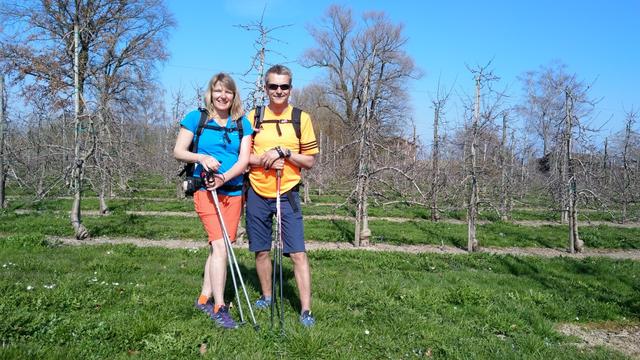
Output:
[[263, 303], [307, 319], [206, 307], [223, 319]]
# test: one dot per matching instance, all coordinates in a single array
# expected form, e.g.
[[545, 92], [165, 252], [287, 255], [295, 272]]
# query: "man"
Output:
[[277, 147]]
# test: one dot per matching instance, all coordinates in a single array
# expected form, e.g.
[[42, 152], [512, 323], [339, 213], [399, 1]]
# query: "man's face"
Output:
[[274, 87]]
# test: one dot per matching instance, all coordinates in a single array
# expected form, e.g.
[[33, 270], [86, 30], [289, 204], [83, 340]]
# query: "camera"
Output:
[[192, 184]]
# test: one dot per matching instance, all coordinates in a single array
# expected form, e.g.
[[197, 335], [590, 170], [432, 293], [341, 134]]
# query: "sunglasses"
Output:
[[274, 87]]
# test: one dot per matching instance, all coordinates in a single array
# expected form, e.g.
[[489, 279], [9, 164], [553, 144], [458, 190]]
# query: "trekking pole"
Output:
[[233, 265], [281, 245]]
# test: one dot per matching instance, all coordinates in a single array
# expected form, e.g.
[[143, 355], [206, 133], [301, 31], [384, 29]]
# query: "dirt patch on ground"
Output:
[[415, 249], [625, 339]]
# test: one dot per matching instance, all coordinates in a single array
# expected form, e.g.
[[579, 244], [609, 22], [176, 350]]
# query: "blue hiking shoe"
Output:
[[223, 319], [206, 307], [263, 303], [306, 319]]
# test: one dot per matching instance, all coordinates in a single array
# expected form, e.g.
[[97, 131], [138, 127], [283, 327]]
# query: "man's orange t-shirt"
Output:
[[266, 138]]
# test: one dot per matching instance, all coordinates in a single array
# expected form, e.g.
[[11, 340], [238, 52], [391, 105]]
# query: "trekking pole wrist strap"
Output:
[[281, 153]]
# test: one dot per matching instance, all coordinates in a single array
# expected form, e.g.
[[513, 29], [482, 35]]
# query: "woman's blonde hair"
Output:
[[226, 80]]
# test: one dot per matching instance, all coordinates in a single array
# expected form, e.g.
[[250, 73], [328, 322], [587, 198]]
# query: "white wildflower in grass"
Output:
[[366, 332], [49, 286], [115, 284], [109, 252], [29, 287]]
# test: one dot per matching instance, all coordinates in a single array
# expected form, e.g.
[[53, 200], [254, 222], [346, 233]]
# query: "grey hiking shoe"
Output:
[[206, 307], [263, 303], [223, 319], [306, 319]]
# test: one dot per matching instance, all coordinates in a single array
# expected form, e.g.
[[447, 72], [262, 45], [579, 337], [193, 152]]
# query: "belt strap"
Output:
[[291, 199]]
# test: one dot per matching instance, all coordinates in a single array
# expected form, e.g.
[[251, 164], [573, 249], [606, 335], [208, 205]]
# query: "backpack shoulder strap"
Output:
[[204, 116], [188, 168], [296, 113], [240, 128], [258, 116]]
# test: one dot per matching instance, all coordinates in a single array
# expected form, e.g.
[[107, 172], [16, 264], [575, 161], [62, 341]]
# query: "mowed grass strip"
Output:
[[139, 202], [407, 233], [115, 205], [494, 234], [121, 301]]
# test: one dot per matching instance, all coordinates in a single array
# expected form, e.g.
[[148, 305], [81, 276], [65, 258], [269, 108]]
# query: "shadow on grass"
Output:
[[441, 234], [346, 230], [581, 280], [252, 282]]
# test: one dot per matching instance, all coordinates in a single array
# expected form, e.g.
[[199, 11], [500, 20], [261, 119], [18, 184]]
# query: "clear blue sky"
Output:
[[597, 40]]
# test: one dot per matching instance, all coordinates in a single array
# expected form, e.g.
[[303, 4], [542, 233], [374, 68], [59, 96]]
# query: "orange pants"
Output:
[[230, 207]]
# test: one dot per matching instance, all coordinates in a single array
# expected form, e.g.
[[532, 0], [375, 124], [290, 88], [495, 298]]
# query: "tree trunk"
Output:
[[362, 232], [100, 166], [472, 209], [3, 175], [435, 169], [575, 244], [80, 230], [361, 196], [305, 191], [104, 209], [504, 190]]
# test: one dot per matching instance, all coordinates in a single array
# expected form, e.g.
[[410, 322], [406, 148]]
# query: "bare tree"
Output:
[[438, 105], [483, 116], [624, 169], [546, 107], [256, 95], [365, 66], [505, 164], [42, 48], [542, 108], [568, 175]]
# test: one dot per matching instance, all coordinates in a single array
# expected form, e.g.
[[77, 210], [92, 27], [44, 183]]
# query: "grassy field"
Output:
[[499, 234], [111, 302], [165, 200], [127, 302]]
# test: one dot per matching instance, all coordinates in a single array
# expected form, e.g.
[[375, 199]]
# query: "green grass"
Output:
[[121, 301], [165, 200], [493, 234], [413, 233], [117, 225], [115, 205]]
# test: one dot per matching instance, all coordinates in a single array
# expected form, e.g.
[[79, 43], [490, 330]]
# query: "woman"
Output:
[[223, 149]]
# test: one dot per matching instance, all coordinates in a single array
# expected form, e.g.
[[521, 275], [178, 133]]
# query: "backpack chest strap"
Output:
[[278, 122]]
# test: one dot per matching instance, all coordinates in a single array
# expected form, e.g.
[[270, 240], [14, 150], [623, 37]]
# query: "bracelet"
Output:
[[287, 153]]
